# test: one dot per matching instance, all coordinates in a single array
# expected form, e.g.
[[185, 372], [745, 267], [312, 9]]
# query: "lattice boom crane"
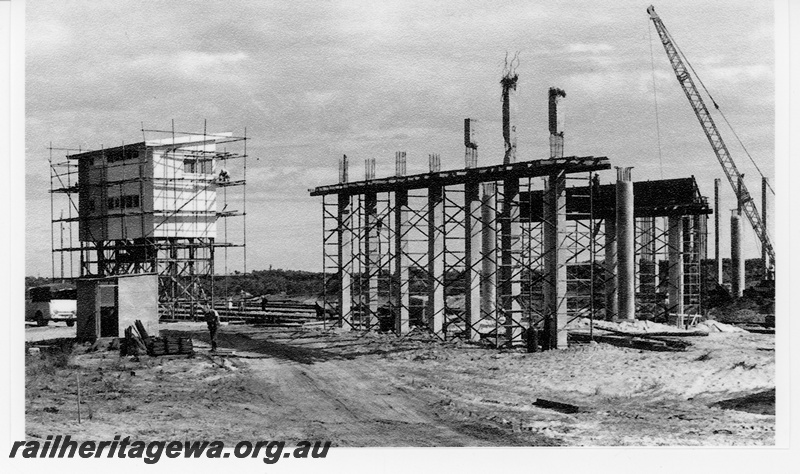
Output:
[[709, 127]]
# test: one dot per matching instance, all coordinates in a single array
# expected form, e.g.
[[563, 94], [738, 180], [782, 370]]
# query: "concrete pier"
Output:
[[555, 261], [675, 257], [611, 281], [510, 253], [472, 258], [625, 245], [372, 267], [489, 251], [401, 289], [435, 306], [344, 218], [717, 217], [737, 262], [509, 83], [764, 255]]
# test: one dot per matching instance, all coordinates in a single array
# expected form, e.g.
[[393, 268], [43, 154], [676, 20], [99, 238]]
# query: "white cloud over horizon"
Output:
[[313, 81]]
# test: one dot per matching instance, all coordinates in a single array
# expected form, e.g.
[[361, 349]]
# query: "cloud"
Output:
[[189, 64], [589, 48], [313, 81], [47, 36], [760, 73]]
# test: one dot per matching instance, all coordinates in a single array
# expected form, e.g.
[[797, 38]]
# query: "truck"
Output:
[[51, 303]]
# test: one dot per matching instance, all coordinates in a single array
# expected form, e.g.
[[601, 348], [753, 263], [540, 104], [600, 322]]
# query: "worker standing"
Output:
[[213, 321]]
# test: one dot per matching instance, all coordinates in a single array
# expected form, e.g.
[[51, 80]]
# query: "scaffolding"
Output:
[[152, 207], [474, 253], [512, 253], [448, 252]]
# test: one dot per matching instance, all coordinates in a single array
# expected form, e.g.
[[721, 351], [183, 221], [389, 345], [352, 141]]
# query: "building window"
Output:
[[113, 156], [193, 165], [128, 201], [206, 167], [90, 205], [189, 166]]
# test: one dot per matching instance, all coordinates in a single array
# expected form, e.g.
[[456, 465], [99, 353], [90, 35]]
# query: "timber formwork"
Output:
[[126, 214]]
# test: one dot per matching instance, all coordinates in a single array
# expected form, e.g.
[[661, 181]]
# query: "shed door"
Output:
[[109, 316]]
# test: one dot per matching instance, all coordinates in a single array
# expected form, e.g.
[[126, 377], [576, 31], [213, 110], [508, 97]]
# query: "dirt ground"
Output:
[[360, 389]]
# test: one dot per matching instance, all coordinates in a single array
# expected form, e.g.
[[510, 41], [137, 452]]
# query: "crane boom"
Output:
[[747, 203]]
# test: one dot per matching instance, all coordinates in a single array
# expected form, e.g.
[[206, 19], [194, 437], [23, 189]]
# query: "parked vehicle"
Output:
[[51, 303]]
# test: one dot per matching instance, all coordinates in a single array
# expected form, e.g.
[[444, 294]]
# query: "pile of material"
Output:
[[137, 342], [644, 327], [638, 334], [716, 326], [170, 345]]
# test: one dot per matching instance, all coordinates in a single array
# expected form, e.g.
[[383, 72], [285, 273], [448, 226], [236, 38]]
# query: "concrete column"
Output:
[[470, 143], [434, 162], [435, 306], [675, 256], [555, 261], [509, 83], [399, 163], [647, 260], [739, 186], [625, 245], [701, 241], [510, 253], [717, 255], [344, 221], [344, 169], [555, 123], [764, 257], [612, 282], [472, 257], [372, 267], [489, 252], [737, 262], [401, 228], [369, 169]]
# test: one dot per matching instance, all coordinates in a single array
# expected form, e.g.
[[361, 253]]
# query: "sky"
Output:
[[312, 81]]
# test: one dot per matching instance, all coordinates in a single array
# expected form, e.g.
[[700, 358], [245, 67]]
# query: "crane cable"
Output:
[[716, 106], [655, 98]]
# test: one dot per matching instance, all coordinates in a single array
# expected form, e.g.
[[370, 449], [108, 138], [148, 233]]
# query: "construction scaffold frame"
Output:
[[490, 253], [127, 214], [450, 251]]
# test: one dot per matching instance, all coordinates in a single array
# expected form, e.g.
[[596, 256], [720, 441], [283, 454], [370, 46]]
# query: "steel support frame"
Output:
[[464, 261], [675, 283]]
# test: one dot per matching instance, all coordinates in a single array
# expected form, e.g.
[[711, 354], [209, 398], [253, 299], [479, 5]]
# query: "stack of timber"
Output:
[[138, 342], [132, 344], [282, 312], [649, 343], [170, 345], [275, 311]]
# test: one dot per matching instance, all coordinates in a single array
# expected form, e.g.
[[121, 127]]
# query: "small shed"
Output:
[[106, 306]]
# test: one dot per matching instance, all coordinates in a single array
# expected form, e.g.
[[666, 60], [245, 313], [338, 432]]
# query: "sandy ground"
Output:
[[379, 390]]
